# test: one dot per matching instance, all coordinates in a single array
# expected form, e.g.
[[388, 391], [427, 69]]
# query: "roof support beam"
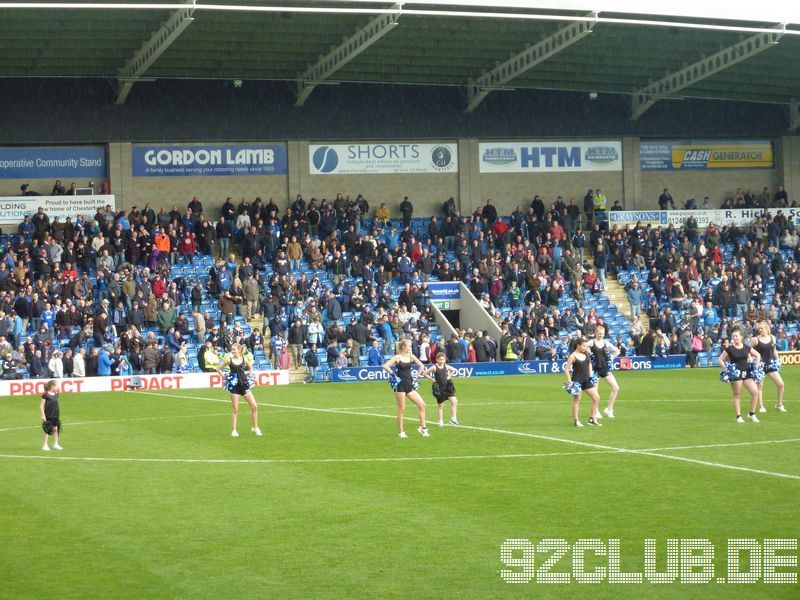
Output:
[[647, 96], [480, 87], [153, 48], [345, 52]]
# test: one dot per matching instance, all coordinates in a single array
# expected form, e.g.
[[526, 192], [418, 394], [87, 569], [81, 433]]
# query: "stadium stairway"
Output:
[[615, 291]]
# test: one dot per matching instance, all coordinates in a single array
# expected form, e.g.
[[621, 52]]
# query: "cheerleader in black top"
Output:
[[578, 370], [603, 355], [764, 344], [443, 388], [239, 366], [739, 353], [51, 414], [405, 385]]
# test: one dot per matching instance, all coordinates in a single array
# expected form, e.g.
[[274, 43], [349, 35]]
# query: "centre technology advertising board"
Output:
[[529, 367], [550, 156], [384, 158]]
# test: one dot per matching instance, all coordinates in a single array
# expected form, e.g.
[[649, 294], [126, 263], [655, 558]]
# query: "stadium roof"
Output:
[[714, 50]]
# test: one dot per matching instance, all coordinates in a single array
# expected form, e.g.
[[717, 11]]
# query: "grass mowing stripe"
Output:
[[611, 449], [121, 421]]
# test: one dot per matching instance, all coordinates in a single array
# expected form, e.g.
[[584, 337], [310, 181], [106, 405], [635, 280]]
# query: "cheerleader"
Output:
[[764, 344], [580, 378], [603, 355], [443, 389], [51, 414], [238, 383], [404, 385], [735, 363]]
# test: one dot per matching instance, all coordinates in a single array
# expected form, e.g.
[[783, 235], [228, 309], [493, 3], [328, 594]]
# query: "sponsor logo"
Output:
[[346, 375], [526, 369], [499, 156], [601, 155], [325, 159], [441, 158]]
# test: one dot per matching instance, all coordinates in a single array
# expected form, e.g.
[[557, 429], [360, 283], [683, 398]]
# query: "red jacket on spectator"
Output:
[[499, 228], [159, 287], [187, 245]]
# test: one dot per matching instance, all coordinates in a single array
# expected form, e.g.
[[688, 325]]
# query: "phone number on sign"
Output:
[[772, 561]]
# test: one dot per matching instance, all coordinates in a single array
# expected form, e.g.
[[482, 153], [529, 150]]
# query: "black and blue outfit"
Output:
[[581, 373], [601, 358], [404, 381], [769, 357], [740, 358], [239, 380], [52, 413], [442, 387]]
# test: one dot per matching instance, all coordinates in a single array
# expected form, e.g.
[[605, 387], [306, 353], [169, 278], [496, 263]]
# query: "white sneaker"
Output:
[[762, 410], [46, 448], [609, 412], [781, 408], [402, 435], [57, 447], [424, 431], [754, 419], [739, 420], [453, 421], [598, 415], [234, 433], [256, 430], [441, 423], [578, 423]]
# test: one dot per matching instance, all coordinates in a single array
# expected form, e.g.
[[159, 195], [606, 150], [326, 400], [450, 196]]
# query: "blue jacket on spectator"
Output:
[[104, 363]]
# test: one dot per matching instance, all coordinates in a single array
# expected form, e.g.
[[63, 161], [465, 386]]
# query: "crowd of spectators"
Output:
[[121, 292]]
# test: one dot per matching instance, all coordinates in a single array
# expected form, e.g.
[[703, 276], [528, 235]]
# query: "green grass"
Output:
[[305, 525]]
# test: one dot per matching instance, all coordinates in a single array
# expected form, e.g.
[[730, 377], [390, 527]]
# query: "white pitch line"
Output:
[[610, 449], [365, 459], [727, 445]]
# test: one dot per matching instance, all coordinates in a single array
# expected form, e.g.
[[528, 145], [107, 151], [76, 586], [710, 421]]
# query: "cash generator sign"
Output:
[[550, 156], [675, 155], [389, 157], [165, 161]]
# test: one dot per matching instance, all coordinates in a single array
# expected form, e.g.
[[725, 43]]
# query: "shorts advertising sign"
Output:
[[384, 158]]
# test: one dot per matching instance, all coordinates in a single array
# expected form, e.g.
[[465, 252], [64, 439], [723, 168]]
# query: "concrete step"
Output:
[[297, 375]]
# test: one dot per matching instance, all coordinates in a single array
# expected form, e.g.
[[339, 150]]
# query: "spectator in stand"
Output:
[[407, 210]]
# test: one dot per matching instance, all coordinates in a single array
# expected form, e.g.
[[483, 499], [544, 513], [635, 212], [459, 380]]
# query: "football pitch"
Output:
[[152, 498]]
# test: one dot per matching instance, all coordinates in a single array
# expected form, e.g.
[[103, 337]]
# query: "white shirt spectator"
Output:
[[56, 366]]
